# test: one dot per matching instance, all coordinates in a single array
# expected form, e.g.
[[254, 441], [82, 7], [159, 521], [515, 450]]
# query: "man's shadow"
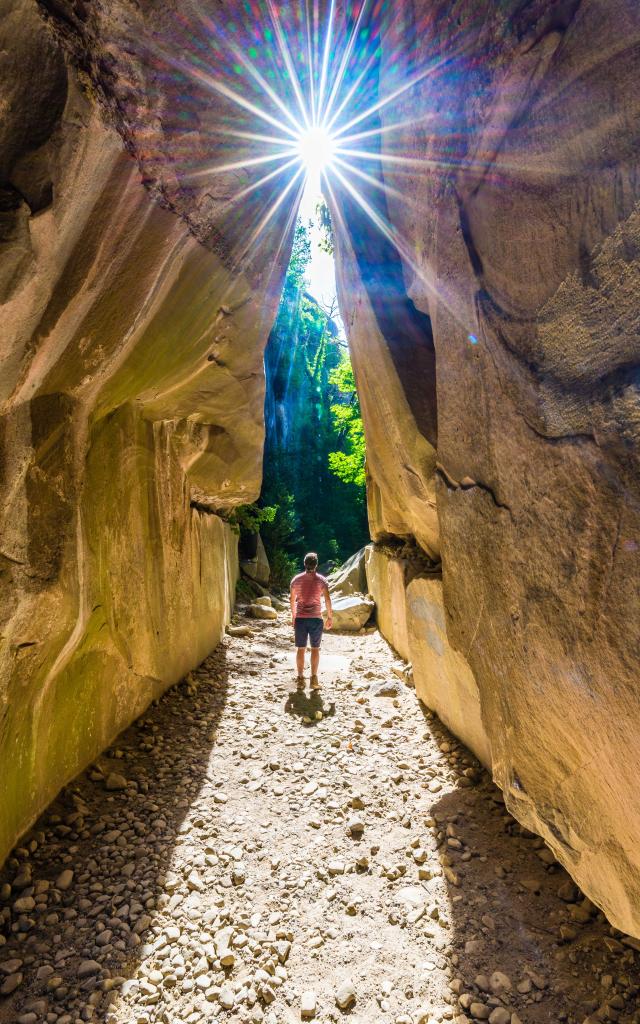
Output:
[[309, 707]]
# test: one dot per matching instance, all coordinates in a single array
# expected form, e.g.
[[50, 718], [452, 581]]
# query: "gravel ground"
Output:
[[245, 853]]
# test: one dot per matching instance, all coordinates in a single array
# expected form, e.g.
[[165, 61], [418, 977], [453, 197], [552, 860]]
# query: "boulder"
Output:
[[351, 577], [262, 611], [351, 613], [257, 568]]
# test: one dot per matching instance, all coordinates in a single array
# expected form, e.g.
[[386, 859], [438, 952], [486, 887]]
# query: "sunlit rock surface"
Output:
[[410, 613], [131, 387], [351, 577], [520, 230]]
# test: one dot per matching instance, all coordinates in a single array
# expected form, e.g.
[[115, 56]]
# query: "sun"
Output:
[[316, 148]]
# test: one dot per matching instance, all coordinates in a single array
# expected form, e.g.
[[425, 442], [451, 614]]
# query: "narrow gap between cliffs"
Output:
[[313, 492]]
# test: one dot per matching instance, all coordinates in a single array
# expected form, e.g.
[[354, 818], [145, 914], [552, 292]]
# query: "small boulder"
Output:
[[351, 613], [261, 611], [351, 577], [239, 631]]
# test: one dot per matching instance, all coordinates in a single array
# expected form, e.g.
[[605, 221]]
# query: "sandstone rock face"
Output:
[[410, 614], [387, 580], [131, 396], [519, 232], [401, 459]]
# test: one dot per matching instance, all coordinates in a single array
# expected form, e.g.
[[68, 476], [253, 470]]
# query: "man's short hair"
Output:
[[311, 561]]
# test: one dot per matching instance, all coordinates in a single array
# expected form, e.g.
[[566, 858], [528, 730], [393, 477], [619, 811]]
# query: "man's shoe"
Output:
[[300, 683], [315, 685]]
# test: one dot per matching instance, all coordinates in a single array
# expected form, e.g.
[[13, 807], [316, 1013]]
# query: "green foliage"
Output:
[[311, 413], [251, 518], [323, 215], [300, 256], [347, 464]]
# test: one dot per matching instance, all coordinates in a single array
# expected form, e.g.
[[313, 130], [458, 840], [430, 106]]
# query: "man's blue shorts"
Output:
[[311, 628]]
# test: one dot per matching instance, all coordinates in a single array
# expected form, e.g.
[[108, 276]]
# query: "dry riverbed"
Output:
[[245, 853]]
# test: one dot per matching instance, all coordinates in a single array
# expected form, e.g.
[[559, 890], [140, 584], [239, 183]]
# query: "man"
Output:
[[307, 591]]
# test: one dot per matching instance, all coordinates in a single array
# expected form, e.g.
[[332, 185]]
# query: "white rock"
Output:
[[351, 613], [226, 997], [308, 1005], [346, 994]]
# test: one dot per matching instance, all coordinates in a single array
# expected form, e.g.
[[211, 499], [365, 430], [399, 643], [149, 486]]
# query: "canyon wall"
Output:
[[131, 384], [508, 448], [494, 332]]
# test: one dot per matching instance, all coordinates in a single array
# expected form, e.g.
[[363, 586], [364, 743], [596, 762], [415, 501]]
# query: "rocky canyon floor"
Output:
[[245, 853]]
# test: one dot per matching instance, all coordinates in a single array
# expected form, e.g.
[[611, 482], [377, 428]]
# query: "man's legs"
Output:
[[300, 660], [300, 628], [315, 660], [315, 636]]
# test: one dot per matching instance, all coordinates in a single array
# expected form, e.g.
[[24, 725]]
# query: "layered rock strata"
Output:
[[133, 321], [517, 222]]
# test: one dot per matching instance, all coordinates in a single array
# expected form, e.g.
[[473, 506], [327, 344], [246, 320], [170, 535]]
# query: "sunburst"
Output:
[[309, 110]]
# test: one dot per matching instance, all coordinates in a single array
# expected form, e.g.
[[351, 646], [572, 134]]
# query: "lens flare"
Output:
[[316, 148], [302, 114]]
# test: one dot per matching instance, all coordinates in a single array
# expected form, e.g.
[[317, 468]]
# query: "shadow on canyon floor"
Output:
[[119, 844], [139, 851], [515, 910], [310, 707]]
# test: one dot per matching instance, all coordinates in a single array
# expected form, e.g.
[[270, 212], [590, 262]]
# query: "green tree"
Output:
[[348, 463], [306, 368], [323, 216]]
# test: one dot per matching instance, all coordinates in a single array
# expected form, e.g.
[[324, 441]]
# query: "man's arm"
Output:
[[292, 603], [327, 598]]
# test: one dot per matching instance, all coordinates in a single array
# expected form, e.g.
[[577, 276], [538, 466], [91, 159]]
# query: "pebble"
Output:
[[308, 1005], [500, 1016], [346, 994], [64, 880], [88, 968], [114, 781], [226, 998], [229, 875], [11, 983], [500, 983], [24, 905], [479, 1011]]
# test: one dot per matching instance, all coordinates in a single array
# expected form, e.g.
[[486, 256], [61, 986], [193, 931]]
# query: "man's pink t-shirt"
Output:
[[307, 588]]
